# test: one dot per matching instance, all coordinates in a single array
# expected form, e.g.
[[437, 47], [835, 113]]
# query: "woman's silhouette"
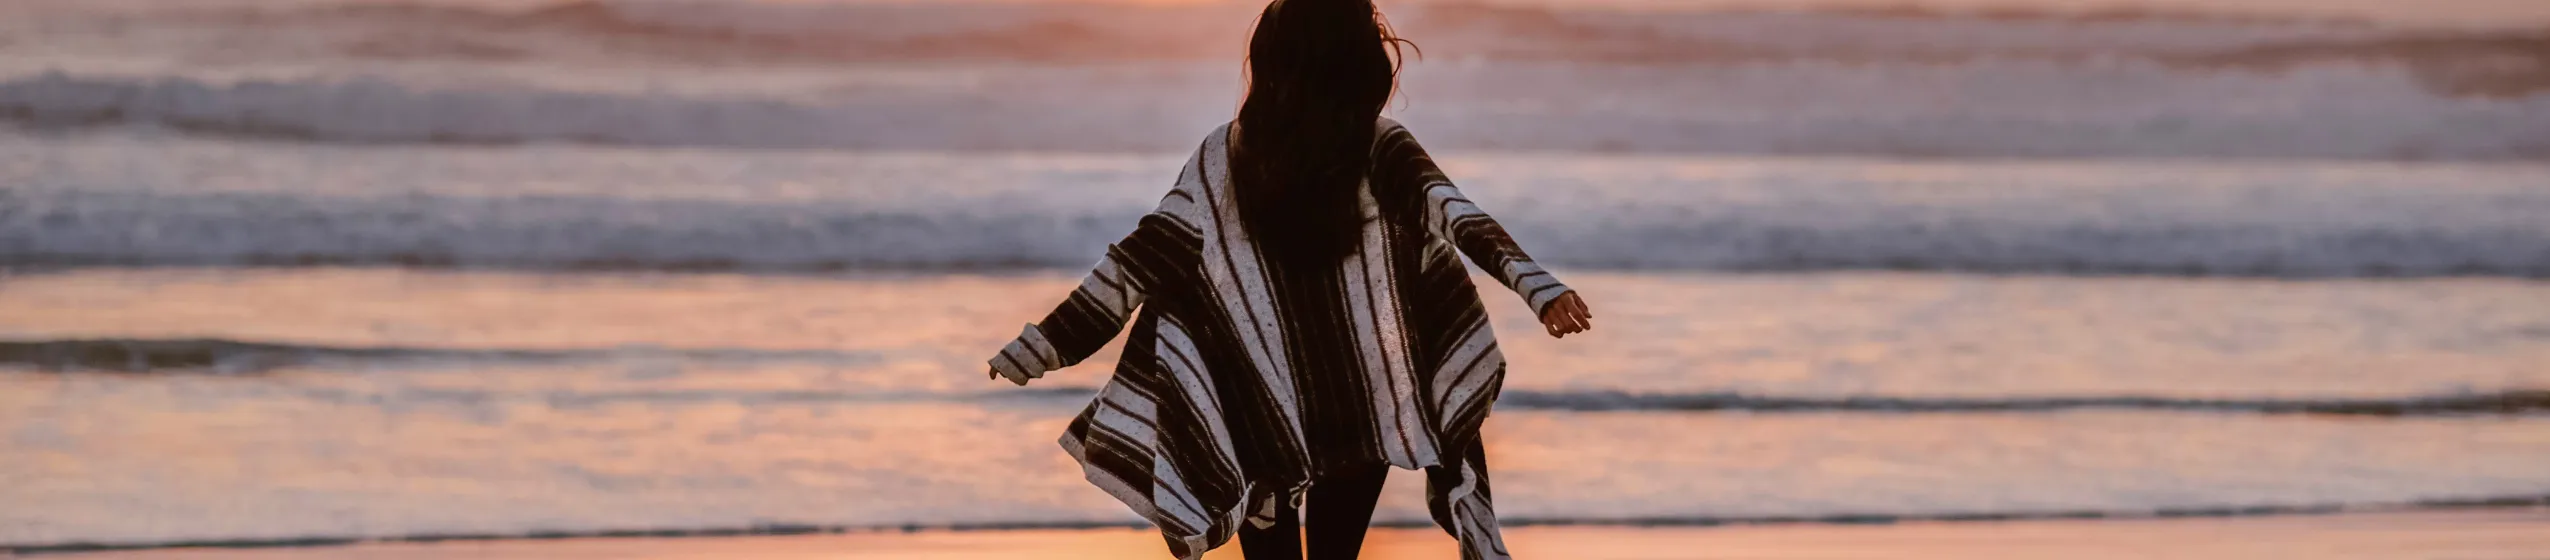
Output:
[[1303, 323]]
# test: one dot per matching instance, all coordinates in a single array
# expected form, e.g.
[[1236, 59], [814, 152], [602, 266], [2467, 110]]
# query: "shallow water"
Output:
[[147, 405]]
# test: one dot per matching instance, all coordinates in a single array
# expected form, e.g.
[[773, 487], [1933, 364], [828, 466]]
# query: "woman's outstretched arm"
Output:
[[1085, 321], [1106, 299], [1450, 216]]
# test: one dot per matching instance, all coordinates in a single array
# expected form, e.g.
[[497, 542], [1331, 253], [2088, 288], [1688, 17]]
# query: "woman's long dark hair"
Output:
[[1319, 72]]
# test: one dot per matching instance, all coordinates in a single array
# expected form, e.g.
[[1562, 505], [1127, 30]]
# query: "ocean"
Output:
[[419, 270]]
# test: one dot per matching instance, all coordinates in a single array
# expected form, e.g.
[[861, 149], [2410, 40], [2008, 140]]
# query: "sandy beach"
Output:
[[2470, 535]]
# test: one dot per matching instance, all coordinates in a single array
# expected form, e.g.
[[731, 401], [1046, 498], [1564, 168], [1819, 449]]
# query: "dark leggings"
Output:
[[1340, 507]]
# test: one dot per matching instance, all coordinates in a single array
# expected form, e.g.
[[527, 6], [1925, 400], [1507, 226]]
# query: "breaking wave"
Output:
[[1013, 213], [216, 356]]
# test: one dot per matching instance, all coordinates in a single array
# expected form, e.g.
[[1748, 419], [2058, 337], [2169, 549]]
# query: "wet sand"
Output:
[[2519, 534]]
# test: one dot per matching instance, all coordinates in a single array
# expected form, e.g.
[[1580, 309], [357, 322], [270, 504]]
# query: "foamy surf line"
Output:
[[2422, 226], [785, 529], [228, 357]]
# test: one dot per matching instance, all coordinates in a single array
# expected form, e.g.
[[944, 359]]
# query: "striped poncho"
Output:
[[1243, 379]]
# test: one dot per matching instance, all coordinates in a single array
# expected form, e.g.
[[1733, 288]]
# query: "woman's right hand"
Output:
[[1566, 315]]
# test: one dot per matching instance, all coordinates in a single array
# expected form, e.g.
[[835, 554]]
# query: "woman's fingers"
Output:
[[1577, 316], [1562, 323], [1567, 315]]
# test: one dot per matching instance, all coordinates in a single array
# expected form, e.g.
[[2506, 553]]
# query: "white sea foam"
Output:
[[87, 200]]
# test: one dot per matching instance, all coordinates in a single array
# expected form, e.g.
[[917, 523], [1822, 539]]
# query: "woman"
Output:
[[1303, 323]]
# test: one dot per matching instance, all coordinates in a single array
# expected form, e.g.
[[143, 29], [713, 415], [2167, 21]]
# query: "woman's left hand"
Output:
[[1567, 315]]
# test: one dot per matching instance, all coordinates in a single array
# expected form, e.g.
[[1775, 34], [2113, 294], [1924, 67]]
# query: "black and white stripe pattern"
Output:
[[1244, 379]]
